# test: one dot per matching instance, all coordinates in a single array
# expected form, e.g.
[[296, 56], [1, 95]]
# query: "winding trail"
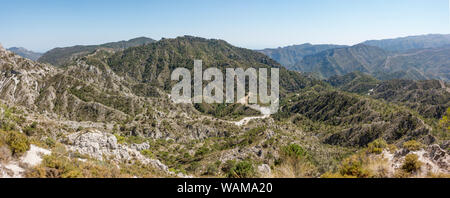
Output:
[[444, 86], [265, 111]]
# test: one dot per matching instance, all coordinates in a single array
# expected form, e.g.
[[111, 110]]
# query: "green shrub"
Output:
[[413, 145], [377, 146], [411, 163], [201, 151], [445, 121], [18, 143], [148, 153], [50, 142], [120, 139], [243, 169], [294, 150]]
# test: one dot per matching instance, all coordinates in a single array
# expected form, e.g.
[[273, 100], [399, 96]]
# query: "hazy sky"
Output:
[[44, 24]]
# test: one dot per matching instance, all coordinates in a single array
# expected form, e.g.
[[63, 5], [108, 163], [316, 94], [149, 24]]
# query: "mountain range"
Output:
[[415, 58], [291, 55], [105, 111], [405, 44]]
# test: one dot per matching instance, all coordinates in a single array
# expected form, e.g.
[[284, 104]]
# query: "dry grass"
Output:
[[295, 168]]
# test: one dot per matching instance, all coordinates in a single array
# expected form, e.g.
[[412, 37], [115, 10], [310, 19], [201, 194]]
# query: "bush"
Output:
[[31, 130], [392, 148], [413, 145], [201, 151], [50, 142], [353, 166], [294, 163], [18, 143], [147, 153], [294, 150], [243, 169], [377, 146], [120, 139], [445, 121], [411, 163]]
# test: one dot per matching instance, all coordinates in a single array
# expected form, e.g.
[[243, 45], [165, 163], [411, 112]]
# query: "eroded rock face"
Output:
[[100, 145], [141, 147], [439, 156], [21, 79], [433, 158]]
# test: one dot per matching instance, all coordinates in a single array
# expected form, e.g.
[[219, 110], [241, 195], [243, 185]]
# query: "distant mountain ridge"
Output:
[[404, 44], [291, 55], [421, 64], [61, 56], [362, 58], [26, 53], [415, 57]]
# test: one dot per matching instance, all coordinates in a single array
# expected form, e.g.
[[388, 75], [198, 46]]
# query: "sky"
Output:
[[41, 25]]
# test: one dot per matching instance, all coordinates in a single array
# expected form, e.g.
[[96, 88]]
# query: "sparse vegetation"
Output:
[[411, 163], [17, 142], [353, 167], [377, 146], [243, 169], [413, 145]]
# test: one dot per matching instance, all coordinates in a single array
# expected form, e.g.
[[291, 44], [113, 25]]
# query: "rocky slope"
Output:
[[430, 97]]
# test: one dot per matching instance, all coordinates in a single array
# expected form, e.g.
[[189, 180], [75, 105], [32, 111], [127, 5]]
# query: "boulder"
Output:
[[264, 170]]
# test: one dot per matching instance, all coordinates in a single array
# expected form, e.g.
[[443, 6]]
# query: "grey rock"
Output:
[[264, 170], [98, 144], [140, 147], [436, 152], [445, 145]]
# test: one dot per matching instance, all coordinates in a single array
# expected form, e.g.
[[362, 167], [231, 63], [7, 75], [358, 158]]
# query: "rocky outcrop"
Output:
[[438, 156], [99, 145], [265, 170], [434, 160], [21, 79]]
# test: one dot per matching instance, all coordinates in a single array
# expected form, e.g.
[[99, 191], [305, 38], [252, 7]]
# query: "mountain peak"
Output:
[[23, 52]]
